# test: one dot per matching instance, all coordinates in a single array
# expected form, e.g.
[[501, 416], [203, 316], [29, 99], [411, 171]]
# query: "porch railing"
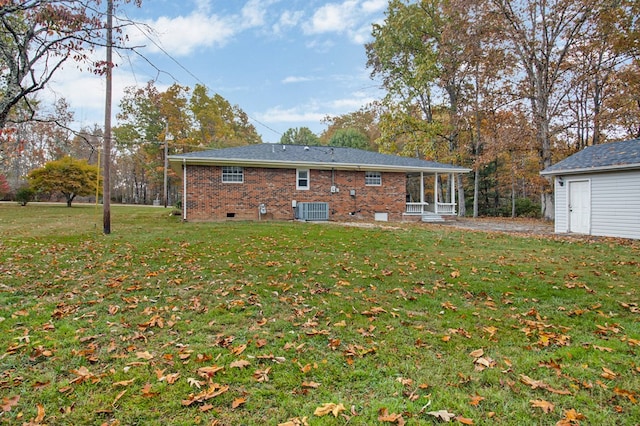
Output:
[[438, 208], [417, 208]]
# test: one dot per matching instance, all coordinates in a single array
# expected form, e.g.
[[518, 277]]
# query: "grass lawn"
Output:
[[245, 323]]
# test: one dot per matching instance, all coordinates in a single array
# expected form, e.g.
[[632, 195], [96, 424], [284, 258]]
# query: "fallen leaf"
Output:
[[40, 417], [475, 400], [626, 394], [213, 391], [120, 395], [329, 408], [147, 392], [262, 375], [464, 420], [241, 363], [123, 383], [295, 422], [477, 353], [208, 372], [238, 402], [8, 403], [571, 417], [194, 383], [313, 385], [546, 406], [443, 415], [144, 355], [608, 374], [384, 416]]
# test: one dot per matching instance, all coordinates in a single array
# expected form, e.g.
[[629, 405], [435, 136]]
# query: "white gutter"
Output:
[[318, 166], [591, 170]]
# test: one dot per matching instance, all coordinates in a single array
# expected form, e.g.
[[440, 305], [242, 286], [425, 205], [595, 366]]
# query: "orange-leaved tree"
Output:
[[69, 176]]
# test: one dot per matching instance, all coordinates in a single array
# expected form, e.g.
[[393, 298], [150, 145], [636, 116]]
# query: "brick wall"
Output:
[[210, 199]]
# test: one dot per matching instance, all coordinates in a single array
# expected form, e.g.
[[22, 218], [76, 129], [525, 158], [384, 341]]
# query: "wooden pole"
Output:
[[106, 184]]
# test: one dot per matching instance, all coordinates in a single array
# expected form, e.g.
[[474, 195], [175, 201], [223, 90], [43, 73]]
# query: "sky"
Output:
[[286, 63]]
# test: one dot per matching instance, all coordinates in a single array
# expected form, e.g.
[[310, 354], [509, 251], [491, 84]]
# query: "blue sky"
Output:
[[286, 63]]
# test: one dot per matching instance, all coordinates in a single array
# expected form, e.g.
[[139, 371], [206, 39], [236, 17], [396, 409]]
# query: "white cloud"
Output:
[[374, 6], [333, 17], [253, 13], [298, 114], [296, 79], [355, 102], [351, 17], [288, 19], [181, 35]]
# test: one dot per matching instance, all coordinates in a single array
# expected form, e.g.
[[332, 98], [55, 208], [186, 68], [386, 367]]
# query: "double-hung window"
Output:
[[302, 179], [232, 174], [373, 178]]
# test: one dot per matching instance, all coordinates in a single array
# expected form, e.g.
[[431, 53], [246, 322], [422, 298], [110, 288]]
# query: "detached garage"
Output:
[[597, 191]]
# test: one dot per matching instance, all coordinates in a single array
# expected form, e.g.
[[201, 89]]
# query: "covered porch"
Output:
[[431, 194]]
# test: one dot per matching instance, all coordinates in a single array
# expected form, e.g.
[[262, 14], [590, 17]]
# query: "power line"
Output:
[[184, 68]]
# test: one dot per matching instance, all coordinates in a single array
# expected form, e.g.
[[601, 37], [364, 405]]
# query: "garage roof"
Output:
[[599, 158]]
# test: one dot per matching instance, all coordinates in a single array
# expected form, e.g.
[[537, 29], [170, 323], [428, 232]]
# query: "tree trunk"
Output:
[[476, 191], [462, 205]]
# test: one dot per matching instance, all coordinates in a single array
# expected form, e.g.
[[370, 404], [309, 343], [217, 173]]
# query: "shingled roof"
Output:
[[599, 158], [316, 157]]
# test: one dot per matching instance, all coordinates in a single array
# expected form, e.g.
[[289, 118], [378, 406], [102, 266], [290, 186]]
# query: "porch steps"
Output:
[[432, 218]]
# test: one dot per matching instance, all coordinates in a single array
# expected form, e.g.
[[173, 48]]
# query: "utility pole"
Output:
[[106, 188]]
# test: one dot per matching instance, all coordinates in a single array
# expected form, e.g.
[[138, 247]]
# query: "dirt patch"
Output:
[[509, 225]]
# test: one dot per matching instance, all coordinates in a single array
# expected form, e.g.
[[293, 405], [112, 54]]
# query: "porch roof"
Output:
[[313, 157]]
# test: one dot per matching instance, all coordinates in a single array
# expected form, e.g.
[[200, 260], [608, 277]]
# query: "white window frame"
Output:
[[373, 178], [298, 178], [232, 174]]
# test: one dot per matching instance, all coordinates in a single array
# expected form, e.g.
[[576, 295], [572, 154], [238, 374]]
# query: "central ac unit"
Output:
[[312, 211]]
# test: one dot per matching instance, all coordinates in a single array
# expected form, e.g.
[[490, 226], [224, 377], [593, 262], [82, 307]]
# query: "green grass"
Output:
[[114, 329]]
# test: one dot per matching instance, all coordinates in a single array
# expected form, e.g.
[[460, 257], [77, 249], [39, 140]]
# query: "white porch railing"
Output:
[[438, 208], [417, 208], [446, 208]]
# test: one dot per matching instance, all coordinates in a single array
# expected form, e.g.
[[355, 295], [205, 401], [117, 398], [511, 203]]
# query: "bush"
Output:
[[525, 207], [24, 195]]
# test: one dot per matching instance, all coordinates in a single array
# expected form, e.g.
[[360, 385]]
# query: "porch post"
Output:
[[453, 191], [435, 193], [422, 192]]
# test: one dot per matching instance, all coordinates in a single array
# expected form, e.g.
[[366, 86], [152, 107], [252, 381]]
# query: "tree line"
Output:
[[505, 87]]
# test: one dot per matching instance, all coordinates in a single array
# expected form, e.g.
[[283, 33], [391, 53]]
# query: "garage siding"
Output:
[[615, 204]]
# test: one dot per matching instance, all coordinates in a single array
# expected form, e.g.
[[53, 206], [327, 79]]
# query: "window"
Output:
[[232, 174], [302, 179], [373, 178]]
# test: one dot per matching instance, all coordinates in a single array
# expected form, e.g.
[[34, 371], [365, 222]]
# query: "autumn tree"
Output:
[[350, 138], [4, 186], [69, 176], [182, 118], [365, 120], [30, 144], [299, 136], [36, 38], [542, 35], [426, 53], [217, 123]]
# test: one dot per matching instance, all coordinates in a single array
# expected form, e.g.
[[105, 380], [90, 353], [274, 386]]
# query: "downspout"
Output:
[[184, 189]]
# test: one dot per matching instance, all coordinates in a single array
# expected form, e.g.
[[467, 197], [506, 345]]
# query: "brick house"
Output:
[[284, 182]]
